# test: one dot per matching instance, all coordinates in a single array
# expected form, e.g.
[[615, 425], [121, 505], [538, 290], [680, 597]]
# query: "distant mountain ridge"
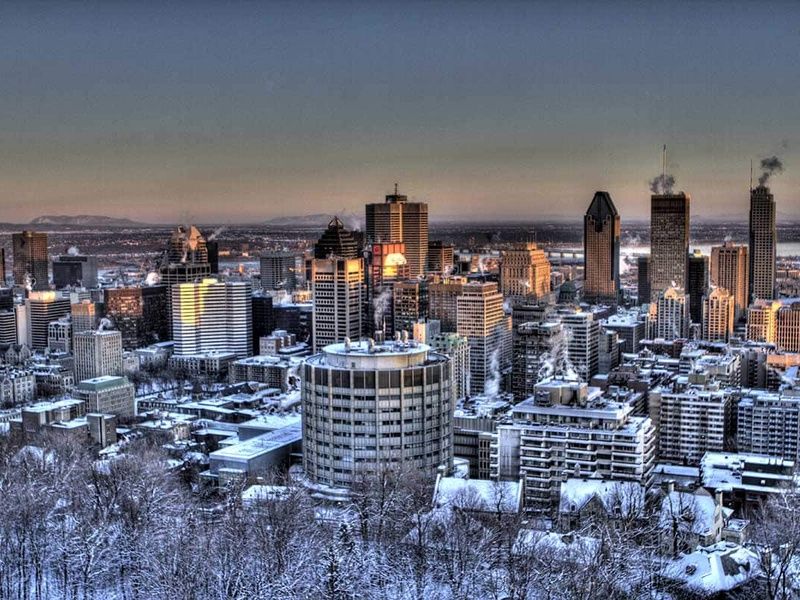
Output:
[[318, 220], [92, 220]]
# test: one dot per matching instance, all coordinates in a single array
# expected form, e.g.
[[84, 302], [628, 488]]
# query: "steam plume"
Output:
[[769, 167], [381, 305], [662, 184]]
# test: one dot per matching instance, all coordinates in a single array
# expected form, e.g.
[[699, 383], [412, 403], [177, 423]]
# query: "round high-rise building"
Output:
[[369, 407]]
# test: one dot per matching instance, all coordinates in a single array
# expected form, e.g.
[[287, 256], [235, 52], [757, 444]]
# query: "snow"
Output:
[[628, 496], [700, 509], [478, 494], [713, 569]]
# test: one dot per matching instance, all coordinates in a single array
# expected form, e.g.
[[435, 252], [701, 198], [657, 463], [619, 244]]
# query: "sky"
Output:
[[240, 112]]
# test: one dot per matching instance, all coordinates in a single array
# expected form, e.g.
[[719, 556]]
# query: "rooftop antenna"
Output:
[[751, 174], [664, 164], [395, 188]]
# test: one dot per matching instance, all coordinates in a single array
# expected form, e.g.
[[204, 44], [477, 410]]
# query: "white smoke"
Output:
[[153, 278], [216, 233], [491, 385], [73, 251], [380, 305], [30, 281], [105, 324], [556, 361]]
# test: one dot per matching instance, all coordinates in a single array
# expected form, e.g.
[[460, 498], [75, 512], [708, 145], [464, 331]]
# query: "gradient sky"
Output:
[[239, 112]]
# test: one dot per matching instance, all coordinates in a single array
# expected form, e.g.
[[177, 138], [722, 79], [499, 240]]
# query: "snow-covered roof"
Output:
[[478, 494], [694, 512], [263, 493], [571, 547], [713, 569], [627, 496]]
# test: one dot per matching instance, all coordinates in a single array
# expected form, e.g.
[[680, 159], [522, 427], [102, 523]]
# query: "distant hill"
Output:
[[85, 220], [318, 221]]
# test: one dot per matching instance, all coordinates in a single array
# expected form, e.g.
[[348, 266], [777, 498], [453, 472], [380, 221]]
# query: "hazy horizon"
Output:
[[239, 113]]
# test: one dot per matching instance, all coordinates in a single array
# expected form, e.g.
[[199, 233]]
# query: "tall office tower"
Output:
[[787, 326], [213, 316], [456, 347], [263, 319], [30, 260], [582, 333], [385, 264], [567, 427], [140, 314], [630, 328], [6, 298], [3, 267], [278, 271], [398, 220], [643, 279], [185, 260], [86, 315], [531, 312], [762, 321], [669, 241], [692, 416], [718, 315], [97, 354], [41, 309], [367, 429], [729, 264], [441, 257], [672, 314], [538, 349], [763, 244], [525, 272], [8, 327], [481, 319], [410, 304], [443, 301], [696, 284], [601, 242], [336, 241], [74, 269], [338, 288], [769, 424], [212, 248]]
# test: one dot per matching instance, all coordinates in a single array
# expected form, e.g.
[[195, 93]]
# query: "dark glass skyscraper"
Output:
[[30, 259], [398, 220], [601, 241], [669, 241], [697, 284], [140, 314], [763, 244], [643, 279], [336, 241]]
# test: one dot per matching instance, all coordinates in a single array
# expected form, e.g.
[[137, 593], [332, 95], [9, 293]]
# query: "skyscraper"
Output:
[[336, 241], [763, 244], [669, 241], [696, 284], [671, 314], [440, 257], [140, 314], [278, 271], [601, 243], [30, 259], [525, 272], [338, 286], [85, 315], [73, 269], [212, 316], [718, 315], [643, 279], [344, 441], [97, 354], [385, 265], [443, 301], [263, 318], [729, 265], [41, 309], [483, 322], [398, 220], [185, 260], [410, 303]]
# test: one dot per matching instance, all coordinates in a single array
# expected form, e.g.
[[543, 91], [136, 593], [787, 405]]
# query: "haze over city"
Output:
[[244, 112]]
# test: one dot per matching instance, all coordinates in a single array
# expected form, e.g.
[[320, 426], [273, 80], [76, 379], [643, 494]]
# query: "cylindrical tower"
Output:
[[369, 407]]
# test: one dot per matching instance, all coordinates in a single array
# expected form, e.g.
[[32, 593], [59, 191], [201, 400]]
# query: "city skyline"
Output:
[[244, 113]]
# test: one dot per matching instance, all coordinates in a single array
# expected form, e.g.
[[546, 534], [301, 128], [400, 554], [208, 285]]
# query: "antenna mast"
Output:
[[664, 164], [751, 174]]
